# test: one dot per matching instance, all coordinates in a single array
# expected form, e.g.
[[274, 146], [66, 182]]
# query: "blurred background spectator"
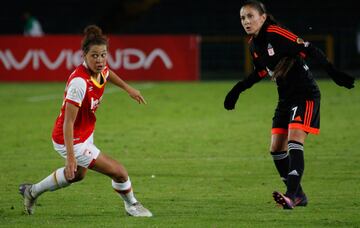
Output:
[[32, 26]]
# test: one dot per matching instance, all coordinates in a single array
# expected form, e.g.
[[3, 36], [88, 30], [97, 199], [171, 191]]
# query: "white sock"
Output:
[[53, 182], [125, 191]]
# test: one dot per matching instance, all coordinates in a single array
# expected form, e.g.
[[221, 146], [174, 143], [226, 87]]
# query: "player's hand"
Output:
[[342, 78], [70, 167], [136, 95], [231, 99]]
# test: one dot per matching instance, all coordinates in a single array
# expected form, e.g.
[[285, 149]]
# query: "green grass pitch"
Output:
[[192, 163]]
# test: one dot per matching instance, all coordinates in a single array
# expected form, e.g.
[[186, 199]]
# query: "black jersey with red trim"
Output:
[[272, 44]]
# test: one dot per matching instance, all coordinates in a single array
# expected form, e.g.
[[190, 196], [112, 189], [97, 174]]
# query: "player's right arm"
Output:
[[256, 76], [68, 128], [233, 95], [75, 94]]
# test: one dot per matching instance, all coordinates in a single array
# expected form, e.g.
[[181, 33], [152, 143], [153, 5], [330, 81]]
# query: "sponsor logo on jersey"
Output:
[[95, 104], [270, 72], [305, 67]]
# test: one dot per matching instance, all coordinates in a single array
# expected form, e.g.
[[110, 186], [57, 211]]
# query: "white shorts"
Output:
[[85, 153]]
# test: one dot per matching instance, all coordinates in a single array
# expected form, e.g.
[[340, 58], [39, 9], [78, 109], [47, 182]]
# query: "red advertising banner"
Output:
[[134, 58]]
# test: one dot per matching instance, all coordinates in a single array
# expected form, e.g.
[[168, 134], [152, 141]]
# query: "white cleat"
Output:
[[29, 200], [137, 210]]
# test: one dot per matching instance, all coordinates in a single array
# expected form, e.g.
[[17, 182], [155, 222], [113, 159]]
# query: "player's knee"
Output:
[[119, 174], [78, 176], [277, 147], [278, 142]]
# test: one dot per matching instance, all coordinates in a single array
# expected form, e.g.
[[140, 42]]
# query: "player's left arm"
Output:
[[133, 93], [293, 45], [339, 77]]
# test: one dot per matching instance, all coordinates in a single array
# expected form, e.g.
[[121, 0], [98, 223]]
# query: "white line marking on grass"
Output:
[[49, 97], [44, 98]]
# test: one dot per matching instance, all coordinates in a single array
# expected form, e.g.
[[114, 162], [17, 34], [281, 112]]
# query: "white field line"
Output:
[[49, 97]]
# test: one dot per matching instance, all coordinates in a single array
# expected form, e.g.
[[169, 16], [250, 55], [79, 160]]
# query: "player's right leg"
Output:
[[279, 140], [279, 151], [53, 182], [85, 156]]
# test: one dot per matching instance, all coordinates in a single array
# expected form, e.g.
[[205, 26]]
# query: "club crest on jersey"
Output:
[[270, 50], [301, 41]]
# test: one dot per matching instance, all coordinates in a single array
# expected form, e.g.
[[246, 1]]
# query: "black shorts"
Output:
[[304, 115]]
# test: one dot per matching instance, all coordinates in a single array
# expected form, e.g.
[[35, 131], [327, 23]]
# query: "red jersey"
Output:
[[86, 93]]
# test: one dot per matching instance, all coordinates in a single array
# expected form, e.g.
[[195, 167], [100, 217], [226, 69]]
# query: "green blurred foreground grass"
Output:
[[192, 163]]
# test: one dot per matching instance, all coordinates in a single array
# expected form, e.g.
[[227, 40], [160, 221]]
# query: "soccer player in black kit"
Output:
[[280, 54]]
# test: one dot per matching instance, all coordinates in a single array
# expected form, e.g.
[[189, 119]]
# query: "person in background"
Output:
[[280, 54], [73, 131], [32, 26]]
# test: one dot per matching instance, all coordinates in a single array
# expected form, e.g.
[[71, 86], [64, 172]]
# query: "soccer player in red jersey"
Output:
[[280, 54], [74, 128]]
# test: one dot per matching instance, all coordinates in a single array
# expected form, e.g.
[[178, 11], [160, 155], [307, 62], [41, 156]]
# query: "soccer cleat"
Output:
[[137, 210], [283, 200], [29, 200], [301, 200]]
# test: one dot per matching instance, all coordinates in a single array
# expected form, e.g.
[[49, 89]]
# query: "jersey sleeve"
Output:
[[292, 45], [255, 76], [259, 71], [247, 82], [75, 92]]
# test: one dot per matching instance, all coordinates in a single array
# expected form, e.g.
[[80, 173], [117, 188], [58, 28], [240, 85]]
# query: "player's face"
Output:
[[251, 19], [96, 58]]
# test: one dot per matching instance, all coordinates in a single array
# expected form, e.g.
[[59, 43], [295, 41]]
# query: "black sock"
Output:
[[296, 167], [281, 161]]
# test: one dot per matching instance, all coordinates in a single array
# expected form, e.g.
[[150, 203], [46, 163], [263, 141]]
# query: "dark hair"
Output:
[[93, 36], [260, 7], [285, 64]]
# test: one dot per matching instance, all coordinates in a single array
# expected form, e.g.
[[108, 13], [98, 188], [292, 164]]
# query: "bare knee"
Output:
[[119, 174], [79, 175], [278, 142], [297, 135], [110, 167]]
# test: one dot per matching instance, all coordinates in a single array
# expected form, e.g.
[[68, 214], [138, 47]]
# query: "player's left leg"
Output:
[[296, 168], [296, 154], [121, 184]]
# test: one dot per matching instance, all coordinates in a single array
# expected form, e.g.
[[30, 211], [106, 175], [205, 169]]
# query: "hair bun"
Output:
[[93, 36], [92, 31]]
